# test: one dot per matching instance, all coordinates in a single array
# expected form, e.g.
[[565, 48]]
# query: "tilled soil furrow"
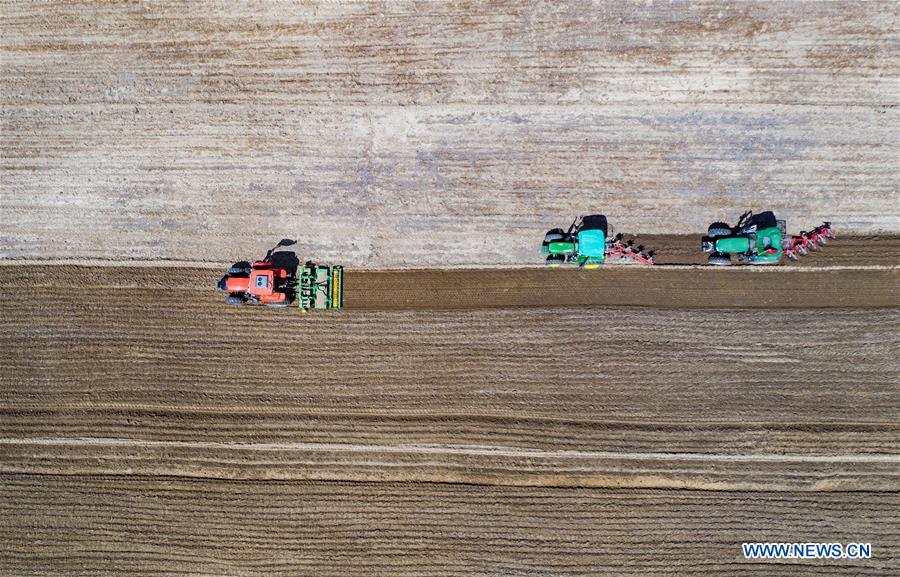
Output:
[[154, 400], [163, 366], [165, 525]]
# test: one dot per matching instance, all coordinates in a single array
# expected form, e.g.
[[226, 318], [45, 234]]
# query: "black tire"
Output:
[[719, 259], [240, 267], [554, 261], [554, 234], [235, 300], [552, 237], [280, 305], [719, 229]]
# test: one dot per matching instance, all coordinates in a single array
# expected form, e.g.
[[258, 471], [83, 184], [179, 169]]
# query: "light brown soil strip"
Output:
[[493, 465], [864, 252]]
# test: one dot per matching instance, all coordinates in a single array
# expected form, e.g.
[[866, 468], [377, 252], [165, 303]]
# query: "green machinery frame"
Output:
[[320, 287]]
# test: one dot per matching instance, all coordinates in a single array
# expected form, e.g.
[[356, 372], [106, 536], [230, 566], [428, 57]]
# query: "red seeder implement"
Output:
[[625, 249], [799, 245]]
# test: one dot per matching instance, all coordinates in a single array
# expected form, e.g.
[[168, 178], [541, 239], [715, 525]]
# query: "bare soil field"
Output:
[[152, 429], [110, 525], [401, 134]]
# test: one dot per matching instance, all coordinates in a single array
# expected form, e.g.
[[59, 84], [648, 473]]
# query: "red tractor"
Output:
[[274, 281], [261, 282]]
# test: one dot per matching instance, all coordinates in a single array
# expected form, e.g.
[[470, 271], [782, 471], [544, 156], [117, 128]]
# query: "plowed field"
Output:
[[147, 426]]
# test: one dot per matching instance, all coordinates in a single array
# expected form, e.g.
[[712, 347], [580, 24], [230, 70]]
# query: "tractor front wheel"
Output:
[[719, 259], [719, 229], [235, 300]]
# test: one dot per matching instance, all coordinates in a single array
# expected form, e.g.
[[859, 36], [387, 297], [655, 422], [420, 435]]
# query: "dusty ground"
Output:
[[172, 433], [401, 134], [861, 252]]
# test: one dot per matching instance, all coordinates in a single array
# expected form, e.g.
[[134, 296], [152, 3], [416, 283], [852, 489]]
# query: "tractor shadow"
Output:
[[287, 260]]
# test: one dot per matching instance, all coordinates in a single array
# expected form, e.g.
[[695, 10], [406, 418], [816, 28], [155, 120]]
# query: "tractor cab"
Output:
[[769, 244], [269, 286], [592, 240], [262, 282]]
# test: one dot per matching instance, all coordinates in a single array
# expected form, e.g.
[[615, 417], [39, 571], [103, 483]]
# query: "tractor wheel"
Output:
[[553, 235], [719, 259], [554, 261], [240, 267], [235, 300], [719, 229], [280, 305]]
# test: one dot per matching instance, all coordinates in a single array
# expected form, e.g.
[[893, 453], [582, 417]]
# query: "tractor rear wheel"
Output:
[[281, 304], [235, 300], [553, 235], [240, 267], [719, 259], [554, 261], [719, 229]]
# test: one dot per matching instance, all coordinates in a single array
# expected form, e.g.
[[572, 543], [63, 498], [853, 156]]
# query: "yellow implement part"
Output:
[[337, 275]]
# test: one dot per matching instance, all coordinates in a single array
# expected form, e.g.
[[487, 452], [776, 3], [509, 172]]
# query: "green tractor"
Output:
[[587, 244], [755, 239], [761, 239]]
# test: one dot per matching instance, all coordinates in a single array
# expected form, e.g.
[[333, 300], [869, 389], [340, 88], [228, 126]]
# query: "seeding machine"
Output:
[[760, 239], [587, 244], [279, 281]]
